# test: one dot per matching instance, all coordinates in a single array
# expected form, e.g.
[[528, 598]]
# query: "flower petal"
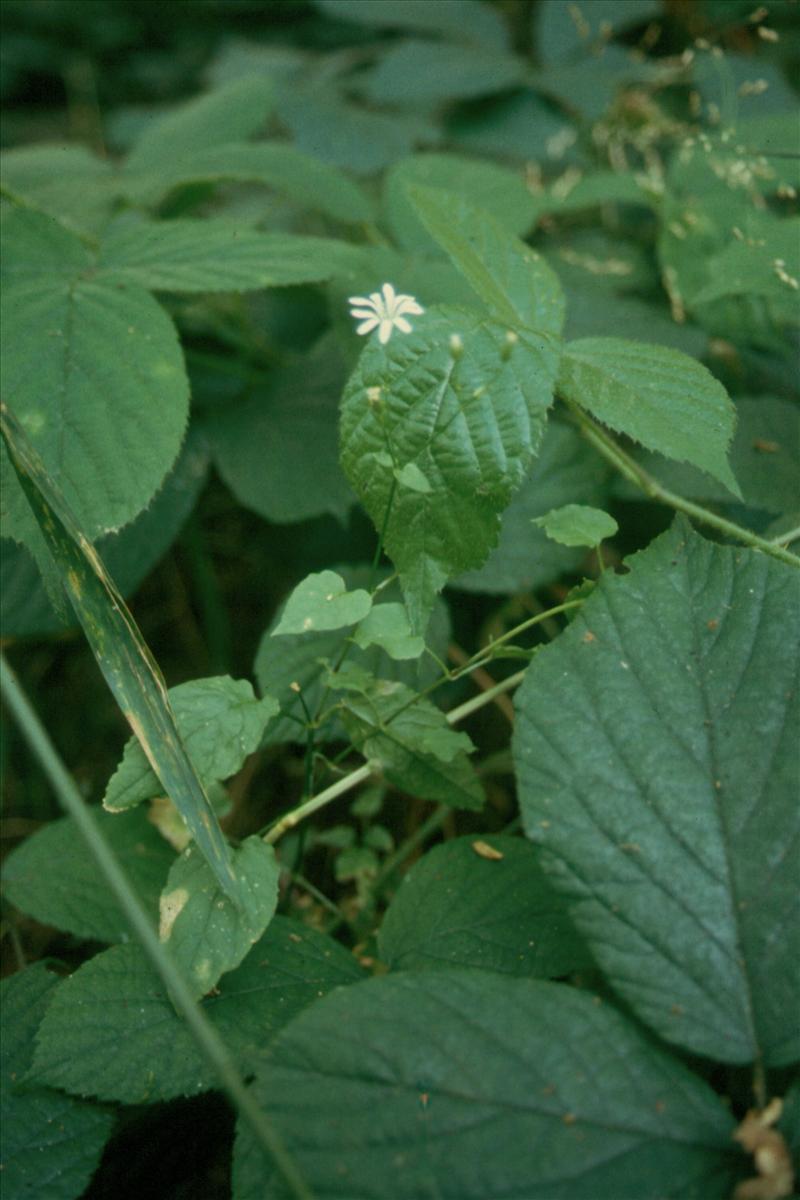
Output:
[[402, 324], [389, 297], [407, 304], [368, 325], [360, 301], [376, 300], [385, 331], [362, 313]]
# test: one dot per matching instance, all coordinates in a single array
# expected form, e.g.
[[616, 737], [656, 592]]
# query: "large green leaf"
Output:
[[52, 878], [220, 722], [107, 403], [214, 255], [306, 180], [460, 20], [657, 396], [325, 124], [112, 1032], [511, 278], [467, 406], [121, 653], [207, 933], [437, 71], [50, 1144], [765, 457], [228, 114], [655, 750], [480, 902], [277, 448], [66, 181], [413, 743], [501, 192], [465, 1084], [567, 469]]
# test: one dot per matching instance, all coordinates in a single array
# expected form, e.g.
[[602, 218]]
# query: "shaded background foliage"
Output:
[[208, 564]]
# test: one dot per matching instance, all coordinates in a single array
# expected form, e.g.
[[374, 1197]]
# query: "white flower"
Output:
[[384, 312]]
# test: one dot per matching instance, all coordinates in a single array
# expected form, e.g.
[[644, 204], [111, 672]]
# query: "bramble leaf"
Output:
[[657, 396], [656, 760], [480, 903], [50, 1144], [112, 1032], [492, 1086]]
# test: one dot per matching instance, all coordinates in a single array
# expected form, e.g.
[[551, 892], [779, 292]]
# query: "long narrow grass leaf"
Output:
[[122, 655]]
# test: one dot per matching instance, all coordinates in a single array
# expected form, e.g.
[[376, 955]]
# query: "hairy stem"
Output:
[[630, 469]]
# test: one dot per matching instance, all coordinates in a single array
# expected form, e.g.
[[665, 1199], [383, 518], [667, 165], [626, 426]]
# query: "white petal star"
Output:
[[384, 311]]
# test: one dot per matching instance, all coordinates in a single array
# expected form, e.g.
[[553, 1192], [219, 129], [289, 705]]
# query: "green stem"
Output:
[[208, 1040], [637, 475], [348, 782]]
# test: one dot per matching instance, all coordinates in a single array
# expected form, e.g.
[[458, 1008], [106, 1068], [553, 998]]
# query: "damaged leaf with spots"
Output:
[[123, 656], [205, 931]]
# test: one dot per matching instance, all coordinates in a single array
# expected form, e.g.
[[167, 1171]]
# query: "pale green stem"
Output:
[[785, 539], [361, 774], [206, 1036], [651, 487]]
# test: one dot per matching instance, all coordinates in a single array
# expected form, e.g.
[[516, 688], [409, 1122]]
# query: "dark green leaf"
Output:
[[52, 877], [320, 603], [50, 1144], [466, 1084], [112, 1032], [413, 744], [480, 902], [277, 449], [659, 397], [567, 469], [657, 768], [513, 281], [228, 114], [215, 255]]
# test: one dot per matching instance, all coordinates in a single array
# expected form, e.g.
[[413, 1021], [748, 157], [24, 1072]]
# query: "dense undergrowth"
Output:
[[400, 411]]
